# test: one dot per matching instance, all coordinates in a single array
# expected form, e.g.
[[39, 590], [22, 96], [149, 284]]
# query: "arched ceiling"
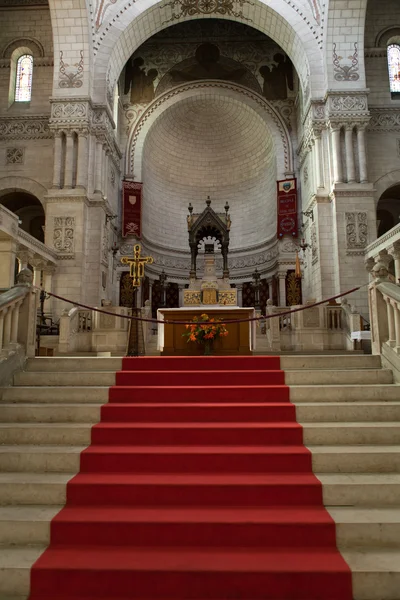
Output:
[[202, 146]]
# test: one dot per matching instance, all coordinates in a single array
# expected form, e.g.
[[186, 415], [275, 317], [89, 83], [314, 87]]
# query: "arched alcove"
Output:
[[29, 210], [388, 209]]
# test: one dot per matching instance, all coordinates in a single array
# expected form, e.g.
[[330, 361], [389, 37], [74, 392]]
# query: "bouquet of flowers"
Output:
[[203, 333]]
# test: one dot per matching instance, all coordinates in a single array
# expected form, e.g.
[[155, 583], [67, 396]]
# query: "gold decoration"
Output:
[[227, 298], [293, 290], [210, 296], [137, 264], [191, 298]]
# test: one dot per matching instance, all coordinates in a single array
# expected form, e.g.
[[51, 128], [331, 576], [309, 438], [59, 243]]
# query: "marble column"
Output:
[[270, 289], [69, 160], [98, 167], [350, 164], [318, 160], [82, 175], [105, 171], [58, 136], [181, 287], [282, 288], [337, 155], [362, 154], [48, 274], [239, 287], [396, 256]]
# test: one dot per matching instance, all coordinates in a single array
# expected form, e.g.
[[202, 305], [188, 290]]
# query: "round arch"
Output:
[[294, 30], [275, 123], [23, 184], [386, 182]]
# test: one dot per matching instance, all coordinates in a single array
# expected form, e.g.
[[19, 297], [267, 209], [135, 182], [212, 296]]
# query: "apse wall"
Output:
[[209, 146]]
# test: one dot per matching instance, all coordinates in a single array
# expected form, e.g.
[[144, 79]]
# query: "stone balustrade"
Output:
[[18, 309]]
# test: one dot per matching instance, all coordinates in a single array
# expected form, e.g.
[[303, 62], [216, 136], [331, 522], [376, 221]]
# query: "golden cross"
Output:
[[137, 264]]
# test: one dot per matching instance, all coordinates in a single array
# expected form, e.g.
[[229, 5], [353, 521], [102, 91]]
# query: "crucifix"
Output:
[[136, 264]]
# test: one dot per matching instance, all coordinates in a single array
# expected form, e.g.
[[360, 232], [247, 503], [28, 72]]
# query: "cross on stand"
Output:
[[136, 264]]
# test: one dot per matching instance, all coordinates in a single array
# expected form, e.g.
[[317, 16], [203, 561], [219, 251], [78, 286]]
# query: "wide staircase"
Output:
[[193, 492]]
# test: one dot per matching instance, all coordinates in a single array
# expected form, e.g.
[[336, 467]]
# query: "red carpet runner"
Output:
[[196, 486]]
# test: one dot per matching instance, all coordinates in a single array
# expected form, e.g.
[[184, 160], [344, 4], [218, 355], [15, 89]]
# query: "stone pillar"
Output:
[[318, 160], [350, 164], [270, 290], [337, 155], [239, 287], [396, 256], [105, 171], [91, 164], [181, 287], [362, 154], [82, 175], [69, 160], [24, 258], [282, 288], [98, 167], [7, 327], [8, 248], [48, 286], [58, 135]]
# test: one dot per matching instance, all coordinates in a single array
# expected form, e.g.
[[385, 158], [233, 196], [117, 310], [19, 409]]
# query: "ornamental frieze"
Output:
[[27, 128], [384, 119]]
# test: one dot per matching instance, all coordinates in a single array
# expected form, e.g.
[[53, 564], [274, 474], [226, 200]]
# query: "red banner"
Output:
[[287, 208], [132, 208]]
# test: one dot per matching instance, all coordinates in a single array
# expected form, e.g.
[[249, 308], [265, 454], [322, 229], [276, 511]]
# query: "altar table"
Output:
[[241, 339]]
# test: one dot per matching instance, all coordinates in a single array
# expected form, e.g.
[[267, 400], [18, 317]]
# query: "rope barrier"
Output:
[[166, 322]]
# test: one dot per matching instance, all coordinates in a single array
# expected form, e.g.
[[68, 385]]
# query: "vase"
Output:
[[208, 348]]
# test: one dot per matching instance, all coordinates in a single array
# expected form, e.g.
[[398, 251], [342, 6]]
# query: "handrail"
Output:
[[248, 320], [7, 298]]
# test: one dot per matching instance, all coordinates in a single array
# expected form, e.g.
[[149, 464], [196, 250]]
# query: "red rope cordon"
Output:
[[261, 318]]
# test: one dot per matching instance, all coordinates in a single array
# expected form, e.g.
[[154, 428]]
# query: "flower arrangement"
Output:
[[203, 333]]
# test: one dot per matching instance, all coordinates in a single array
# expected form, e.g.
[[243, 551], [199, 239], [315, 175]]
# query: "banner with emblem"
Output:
[[287, 208], [132, 208]]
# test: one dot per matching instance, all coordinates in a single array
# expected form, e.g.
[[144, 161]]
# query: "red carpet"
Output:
[[194, 492]]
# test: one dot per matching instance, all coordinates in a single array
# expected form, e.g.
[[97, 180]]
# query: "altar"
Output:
[[241, 339]]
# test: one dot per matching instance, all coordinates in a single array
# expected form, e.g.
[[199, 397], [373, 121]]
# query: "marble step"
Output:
[[366, 526], [39, 459], [378, 565], [338, 376], [303, 361], [76, 364], [355, 459], [350, 433], [325, 459], [80, 394], [292, 377], [49, 413], [375, 571], [33, 488], [306, 412], [313, 433], [344, 393], [301, 393], [360, 489], [46, 433], [339, 489], [356, 411], [26, 525], [355, 526], [15, 568]]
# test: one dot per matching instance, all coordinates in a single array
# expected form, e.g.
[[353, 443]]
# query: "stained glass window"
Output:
[[394, 67], [23, 86]]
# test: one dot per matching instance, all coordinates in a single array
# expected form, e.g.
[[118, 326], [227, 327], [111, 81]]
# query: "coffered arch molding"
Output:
[[276, 125], [126, 27]]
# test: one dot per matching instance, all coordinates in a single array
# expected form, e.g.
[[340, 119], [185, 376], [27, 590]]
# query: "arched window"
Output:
[[393, 53], [23, 83]]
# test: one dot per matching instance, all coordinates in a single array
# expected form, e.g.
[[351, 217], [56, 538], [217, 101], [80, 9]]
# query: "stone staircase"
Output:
[[350, 411]]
